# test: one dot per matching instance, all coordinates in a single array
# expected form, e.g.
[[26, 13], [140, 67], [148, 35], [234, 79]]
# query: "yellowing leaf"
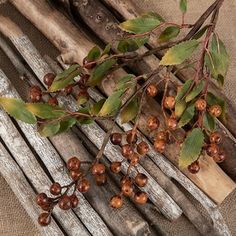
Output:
[[49, 129], [17, 109], [169, 33], [180, 107], [130, 111], [179, 53]]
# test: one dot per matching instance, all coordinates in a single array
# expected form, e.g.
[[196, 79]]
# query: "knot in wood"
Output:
[[99, 17]]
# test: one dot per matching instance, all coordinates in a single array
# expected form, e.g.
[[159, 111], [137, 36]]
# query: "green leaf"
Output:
[[141, 24], [67, 124], [180, 107], [17, 109], [94, 54], [84, 120], [217, 60], [187, 116], [100, 71], [130, 111], [169, 33], [106, 50], [49, 129], [129, 45], [196, 91], [200, 33], [45, 111], [126, 82], [191, 148], [183, 6], [65, 78], [94, 110], [183, 90], [209, 122], [179, 53], [111, 104]]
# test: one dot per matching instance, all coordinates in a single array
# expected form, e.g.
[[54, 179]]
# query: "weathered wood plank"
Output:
[[23, 191]]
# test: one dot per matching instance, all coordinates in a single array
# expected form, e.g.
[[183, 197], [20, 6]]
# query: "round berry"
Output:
[[83, 186], [116, 202], [220, 157], [142, 148], [162, 135], [201, 104], [134, 159], [169, 102], [140, 198], [74, 201], [160, 145], [152, 90], [153, 123], [98, 169], [75, 174], [127, 189], [35, 93], [101, 179], [48, 79], [194, 167], [127, 150], [116, 138], [212, 150], [67, 90], [131, 137], [141, 179], [55, 189], [44, 219], [65, 203], [41, 199], [215, 138], [73, 163], [53, 101], [215, 110], [171, 123], [115, 167], [125, 180], [89, 64]]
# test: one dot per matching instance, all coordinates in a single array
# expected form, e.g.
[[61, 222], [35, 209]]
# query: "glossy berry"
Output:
[[115, 167], [169, 102], [162, 135], [127, 150], [215, 110], [131, 137], [153, 123], [125, 180], [215, 138], [220, 157], [48, 79], [116, 138], [98, 169], [194, 167], [44, 219], [134, 159], [41, 199], [75, 174], [74, 201], [73, 163], [142, 148], [83, 186], [35, 93], [140, 198], [67, 90], [212, 150], [101, 179], [127, 189], [152, 90], [83, 80], [65, 203], [171, 123], [53, 101], [55, 189], [141, 179], [201, 104], [116, 202], [88, 64], [160, 145]]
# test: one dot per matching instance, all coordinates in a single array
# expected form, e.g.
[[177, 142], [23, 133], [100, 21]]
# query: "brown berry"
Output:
[[74, 201], [153, 123], [125, 180], [48, 79], [98, 169], [73, 163], [152, 90], [101, 179], [220, 157], [67, 90], [201, 104], [83, 186], [44, 219], [215, 110], [162, 135], [134, 159], [65, 203], [140, 198], [116, 138], [142, 148], [171, 123], [215, 138], [75, 174], [160, 145], [131, 137], [55, 189], [194, 167], [115, 167], [89, 64], [116, 202], [35, 93], [169, 102], [141, 179], [41, 199], [127, 189], [83, 80], [53, 101], [127, 150], [212, 150]]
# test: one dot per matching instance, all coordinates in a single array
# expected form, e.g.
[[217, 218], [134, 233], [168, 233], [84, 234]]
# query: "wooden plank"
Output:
[[23, 191], [56, 168]]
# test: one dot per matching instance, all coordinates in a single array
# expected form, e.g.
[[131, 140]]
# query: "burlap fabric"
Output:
[[13, 218]]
